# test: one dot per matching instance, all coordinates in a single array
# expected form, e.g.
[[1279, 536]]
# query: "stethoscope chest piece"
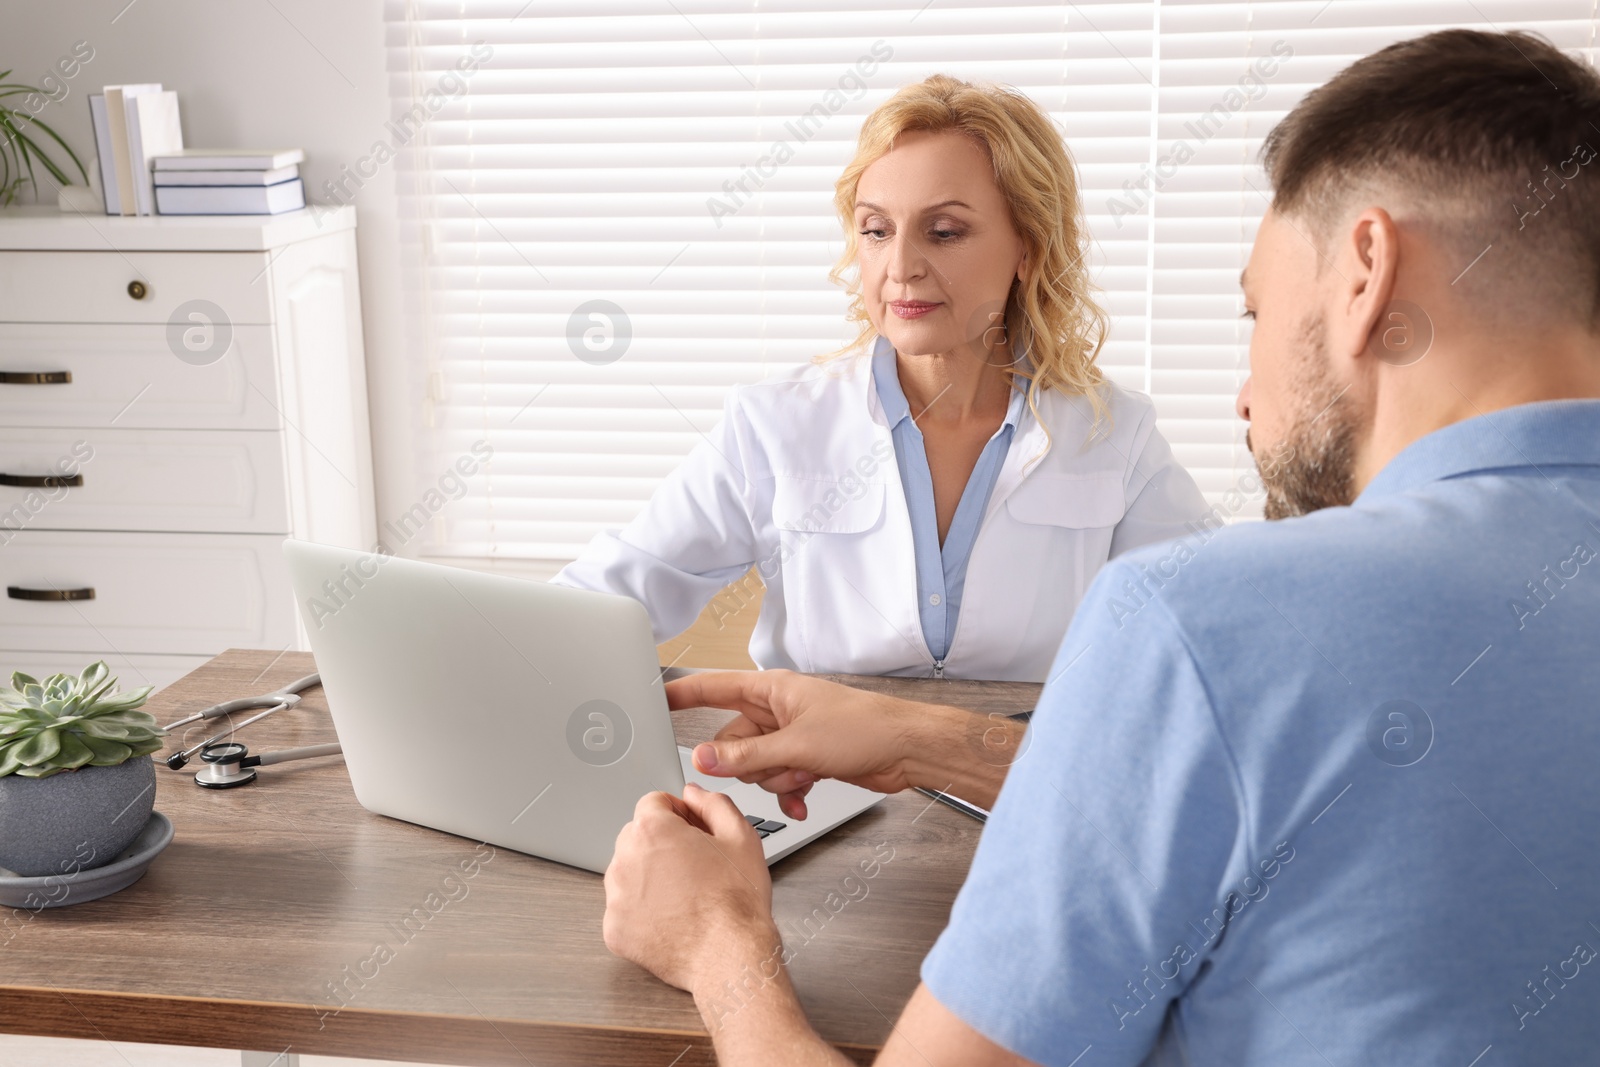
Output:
[[224, 766], [228, 763]]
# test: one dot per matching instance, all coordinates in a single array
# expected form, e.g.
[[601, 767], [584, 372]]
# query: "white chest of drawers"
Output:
[[177, 395]]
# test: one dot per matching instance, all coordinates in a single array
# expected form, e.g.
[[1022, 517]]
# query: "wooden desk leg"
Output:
[[269, 1059]]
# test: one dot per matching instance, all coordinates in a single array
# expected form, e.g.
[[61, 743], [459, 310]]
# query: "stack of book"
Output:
[[229, 181], [132, 125], [145, 170]]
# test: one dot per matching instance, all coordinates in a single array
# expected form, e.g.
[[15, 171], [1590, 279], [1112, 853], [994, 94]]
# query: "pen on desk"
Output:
[[964, 807]]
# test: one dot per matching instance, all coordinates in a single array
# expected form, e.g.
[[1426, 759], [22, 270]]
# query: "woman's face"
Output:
[[936, 245]]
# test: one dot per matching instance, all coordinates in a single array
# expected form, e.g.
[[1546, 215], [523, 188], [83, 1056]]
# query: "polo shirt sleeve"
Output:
[[1094, 896]]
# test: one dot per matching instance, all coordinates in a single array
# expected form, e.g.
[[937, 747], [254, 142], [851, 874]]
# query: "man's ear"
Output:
[[1367, 257]]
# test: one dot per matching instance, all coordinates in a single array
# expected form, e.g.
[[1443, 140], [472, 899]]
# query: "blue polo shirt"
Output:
[[941, 568], [1319, 791]]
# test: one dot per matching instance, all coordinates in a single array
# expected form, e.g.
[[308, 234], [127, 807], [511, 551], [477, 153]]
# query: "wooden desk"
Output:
[[274, 893]]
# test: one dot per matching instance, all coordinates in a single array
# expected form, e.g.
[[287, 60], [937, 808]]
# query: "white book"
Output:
[[153, 130], [117, 122], [102, 147], [226, 177], [231, 199], [231, 159]]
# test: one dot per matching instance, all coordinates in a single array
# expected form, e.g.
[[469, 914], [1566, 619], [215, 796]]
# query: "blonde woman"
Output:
[[935, 499]]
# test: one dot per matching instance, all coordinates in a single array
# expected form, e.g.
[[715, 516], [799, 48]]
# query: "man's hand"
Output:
[[687, 891], [794, 729], [689, 899]]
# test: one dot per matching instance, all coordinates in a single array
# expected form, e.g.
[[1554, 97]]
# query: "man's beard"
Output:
[[1313, 467]]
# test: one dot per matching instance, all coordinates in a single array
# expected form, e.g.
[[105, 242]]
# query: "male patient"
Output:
[[1314, 791]]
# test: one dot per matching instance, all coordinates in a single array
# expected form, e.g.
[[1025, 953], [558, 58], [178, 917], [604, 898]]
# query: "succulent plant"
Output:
[[66, 722]]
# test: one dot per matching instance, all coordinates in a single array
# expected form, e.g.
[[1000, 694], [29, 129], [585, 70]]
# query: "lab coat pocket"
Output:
[[1060, 530], [1078, 501], [806, 505], [1030, 567], [834, 554]]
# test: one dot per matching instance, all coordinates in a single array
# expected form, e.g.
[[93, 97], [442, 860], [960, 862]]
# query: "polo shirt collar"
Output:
[[1549, 433]]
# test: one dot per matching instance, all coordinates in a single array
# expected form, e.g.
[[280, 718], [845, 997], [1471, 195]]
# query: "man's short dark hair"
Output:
[[1497, 131]]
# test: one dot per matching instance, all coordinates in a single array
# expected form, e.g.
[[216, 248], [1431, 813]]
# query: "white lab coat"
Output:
[[800, 480]]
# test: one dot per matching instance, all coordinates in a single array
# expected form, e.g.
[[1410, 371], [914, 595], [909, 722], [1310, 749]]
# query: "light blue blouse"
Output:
[[941, 571]]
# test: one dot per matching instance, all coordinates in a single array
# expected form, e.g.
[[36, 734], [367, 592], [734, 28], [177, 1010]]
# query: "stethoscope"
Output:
[[228, 763]]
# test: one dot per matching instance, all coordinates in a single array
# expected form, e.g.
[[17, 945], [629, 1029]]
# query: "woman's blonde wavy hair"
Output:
[[1052, 313]]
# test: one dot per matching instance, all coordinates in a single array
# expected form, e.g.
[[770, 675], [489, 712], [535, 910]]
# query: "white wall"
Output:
[[289, 73]]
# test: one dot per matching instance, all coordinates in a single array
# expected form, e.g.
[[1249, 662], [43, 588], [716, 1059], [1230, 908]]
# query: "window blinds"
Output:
[[623, 208]]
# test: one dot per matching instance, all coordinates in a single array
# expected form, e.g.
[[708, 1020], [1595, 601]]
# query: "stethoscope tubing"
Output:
[[286, 697], [304, 752], [227, 707]]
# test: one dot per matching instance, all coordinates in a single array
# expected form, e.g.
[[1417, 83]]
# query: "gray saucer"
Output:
[[56, 890]]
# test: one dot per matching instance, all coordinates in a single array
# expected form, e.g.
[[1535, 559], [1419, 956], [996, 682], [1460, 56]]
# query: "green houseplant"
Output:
[[76, 780], [18, 150]]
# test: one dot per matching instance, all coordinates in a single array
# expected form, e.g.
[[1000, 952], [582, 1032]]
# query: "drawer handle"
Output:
[[17, 592], [137, 290], [35, 377], [42, 481]]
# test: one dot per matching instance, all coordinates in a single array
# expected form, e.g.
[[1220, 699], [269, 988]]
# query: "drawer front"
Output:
[[127, 377], [130, 671], [189, 594], [203, 481], [94, 286]]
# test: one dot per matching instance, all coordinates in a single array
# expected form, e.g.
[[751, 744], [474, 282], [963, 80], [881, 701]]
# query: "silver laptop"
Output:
[[527, 715]]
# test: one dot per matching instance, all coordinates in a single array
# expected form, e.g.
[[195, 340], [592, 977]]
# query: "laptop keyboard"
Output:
[[764, 827]]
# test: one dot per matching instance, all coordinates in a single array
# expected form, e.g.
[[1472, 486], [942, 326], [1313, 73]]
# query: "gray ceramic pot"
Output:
[[75, 820]]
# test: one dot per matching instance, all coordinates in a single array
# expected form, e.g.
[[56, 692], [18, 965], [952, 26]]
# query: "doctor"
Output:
[[935, 499]]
